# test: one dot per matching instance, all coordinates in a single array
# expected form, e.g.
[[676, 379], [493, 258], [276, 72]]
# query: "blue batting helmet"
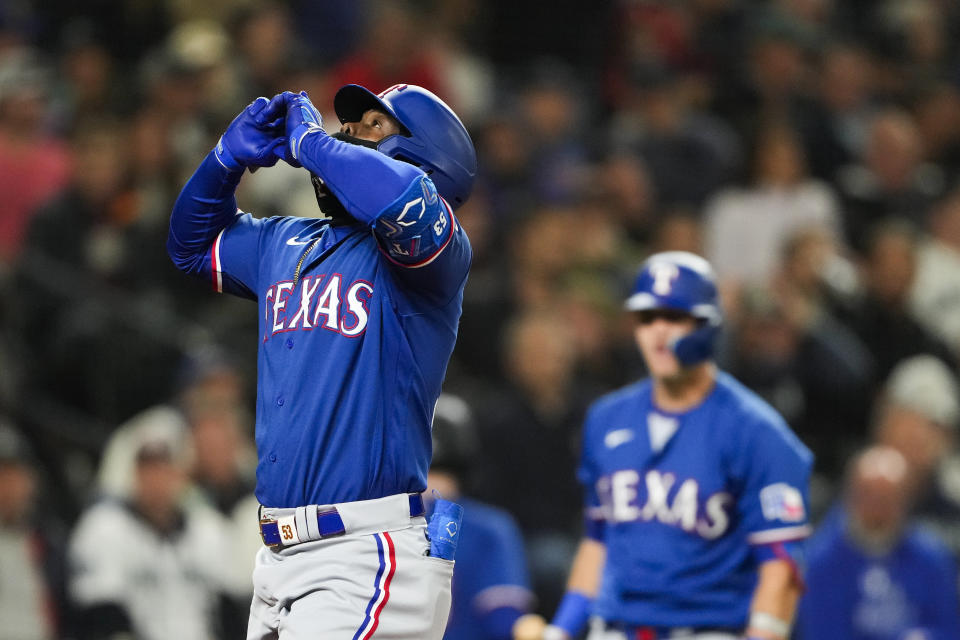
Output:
[[433, 138], [681, 281]]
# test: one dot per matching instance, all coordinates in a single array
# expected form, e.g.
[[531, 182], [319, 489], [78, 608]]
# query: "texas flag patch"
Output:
[[780, 501]]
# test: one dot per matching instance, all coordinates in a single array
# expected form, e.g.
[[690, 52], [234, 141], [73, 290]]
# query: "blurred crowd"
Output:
[[810, 149]]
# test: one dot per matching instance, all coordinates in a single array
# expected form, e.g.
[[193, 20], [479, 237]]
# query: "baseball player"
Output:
[[491, 588], [696, 488], [358, 316]]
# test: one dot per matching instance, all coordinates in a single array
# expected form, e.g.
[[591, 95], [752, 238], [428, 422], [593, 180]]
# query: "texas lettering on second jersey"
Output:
[[688, 504]]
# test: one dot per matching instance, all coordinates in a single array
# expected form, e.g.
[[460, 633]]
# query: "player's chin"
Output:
[[661, 362], [664, 367]]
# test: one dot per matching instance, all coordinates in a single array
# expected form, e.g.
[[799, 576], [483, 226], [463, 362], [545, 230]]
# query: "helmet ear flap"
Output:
[[696, 346]]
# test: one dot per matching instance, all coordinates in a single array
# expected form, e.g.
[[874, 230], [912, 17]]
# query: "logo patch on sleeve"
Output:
[[780, 501]]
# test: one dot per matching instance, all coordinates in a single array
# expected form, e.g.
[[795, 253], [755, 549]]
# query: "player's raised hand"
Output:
[[302, 118], [253, 135]]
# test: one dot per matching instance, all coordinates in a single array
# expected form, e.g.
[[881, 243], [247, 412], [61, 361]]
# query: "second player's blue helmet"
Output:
[[685, 282], [433, 138]]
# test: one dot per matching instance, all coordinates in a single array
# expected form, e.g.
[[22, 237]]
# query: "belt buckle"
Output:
[[273, 546]]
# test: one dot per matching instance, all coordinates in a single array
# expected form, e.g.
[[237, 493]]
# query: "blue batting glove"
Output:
[[302, 120], [253, 135]]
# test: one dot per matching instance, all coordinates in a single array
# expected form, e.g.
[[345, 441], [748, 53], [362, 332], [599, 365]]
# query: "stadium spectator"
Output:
[[780, 200], [222, 470], [836, 131], [937, 112], [919, 415], [209, 415], [99, 345], [149, 565], [881, 316], [811, 368], [34, 165], [32, 597], [892, 179], [688, 152], [538, 408], [872, 575], [935, 290]]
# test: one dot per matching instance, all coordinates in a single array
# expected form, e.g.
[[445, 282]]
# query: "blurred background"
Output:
[[809, 148]]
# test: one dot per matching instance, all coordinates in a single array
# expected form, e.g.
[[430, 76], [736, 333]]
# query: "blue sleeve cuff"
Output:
[[594, 529], [573, 612]]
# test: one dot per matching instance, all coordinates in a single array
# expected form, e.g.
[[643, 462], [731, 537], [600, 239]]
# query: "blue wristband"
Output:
[[572, 614]]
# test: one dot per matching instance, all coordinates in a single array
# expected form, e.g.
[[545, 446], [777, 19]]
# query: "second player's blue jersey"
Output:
[[688, 504], [356, 325]]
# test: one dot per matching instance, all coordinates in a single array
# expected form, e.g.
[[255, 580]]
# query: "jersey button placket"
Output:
[[279, 401]]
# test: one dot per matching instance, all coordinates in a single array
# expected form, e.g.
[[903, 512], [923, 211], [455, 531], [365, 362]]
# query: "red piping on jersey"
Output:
[[215, 264]]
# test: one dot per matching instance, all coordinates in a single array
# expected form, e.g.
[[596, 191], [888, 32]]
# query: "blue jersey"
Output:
[[491, 588], [356, 322], [689, 504], [853, 595]]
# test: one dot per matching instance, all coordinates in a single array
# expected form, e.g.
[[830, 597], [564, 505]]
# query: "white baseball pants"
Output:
[[367, 584]]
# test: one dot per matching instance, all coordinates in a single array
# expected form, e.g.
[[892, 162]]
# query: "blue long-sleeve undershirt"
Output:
[[364, 180]]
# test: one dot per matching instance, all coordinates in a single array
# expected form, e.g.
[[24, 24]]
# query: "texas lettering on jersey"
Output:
[[324, 301], [666, 500]]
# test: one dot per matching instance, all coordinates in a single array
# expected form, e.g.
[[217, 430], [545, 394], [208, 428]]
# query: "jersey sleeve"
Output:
[[419, 235], [774, 501], [364, 180], [415, 227], [234, 256], [209, 238]]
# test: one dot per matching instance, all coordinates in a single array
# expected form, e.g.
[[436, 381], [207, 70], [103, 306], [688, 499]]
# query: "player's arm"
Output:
[[414, 225], [582, 587], [206, 205], [774, 601], [774, 507]]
